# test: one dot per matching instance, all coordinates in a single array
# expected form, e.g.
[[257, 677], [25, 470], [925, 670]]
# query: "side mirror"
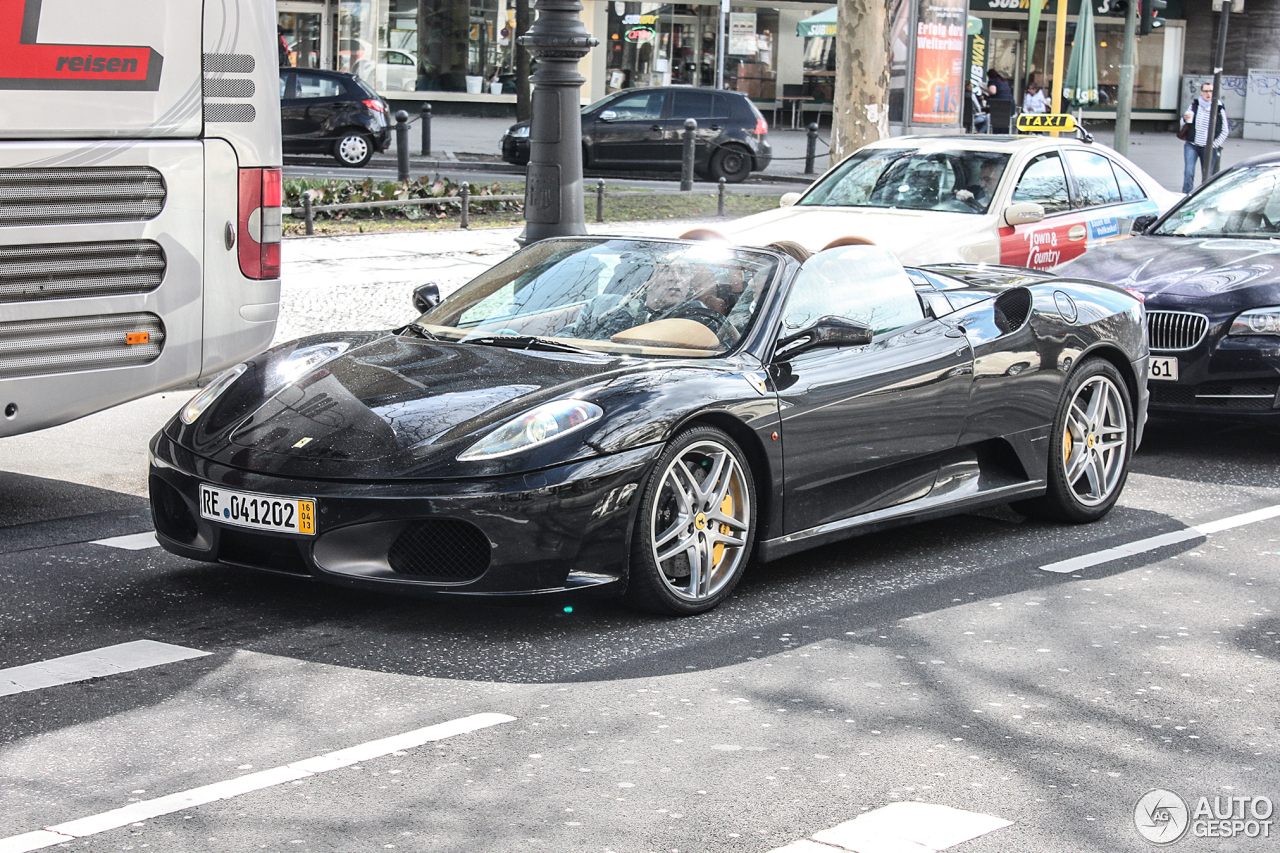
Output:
[[788, 199], [1023, 213], [1142, 223], [426, 297], [608, 115], [828, 331]]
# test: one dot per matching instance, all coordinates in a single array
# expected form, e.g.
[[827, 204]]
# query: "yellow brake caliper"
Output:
[[717, 551], [1066, 445]]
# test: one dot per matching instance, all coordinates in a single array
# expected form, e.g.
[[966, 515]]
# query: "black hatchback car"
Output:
[[331, 112], [643, 130]]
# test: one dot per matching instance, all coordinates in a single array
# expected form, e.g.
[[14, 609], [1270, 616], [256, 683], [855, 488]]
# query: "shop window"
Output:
[[1045, 183], [1095, 181]]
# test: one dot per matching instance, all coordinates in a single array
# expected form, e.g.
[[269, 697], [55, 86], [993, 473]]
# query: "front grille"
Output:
[[69, 270], [64, 196], [261, 551], [170, 512], [445, 550], [1241, 397], [1175, 330], [42, 347]]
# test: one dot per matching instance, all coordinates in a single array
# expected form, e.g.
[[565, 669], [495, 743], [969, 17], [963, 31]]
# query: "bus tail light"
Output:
[[258, 229]]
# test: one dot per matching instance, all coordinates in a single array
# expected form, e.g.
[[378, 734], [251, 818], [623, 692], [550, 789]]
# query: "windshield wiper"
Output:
[[524, 342], [416, 330]]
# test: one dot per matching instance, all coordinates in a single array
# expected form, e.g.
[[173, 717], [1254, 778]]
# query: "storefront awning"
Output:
[[821, 24]]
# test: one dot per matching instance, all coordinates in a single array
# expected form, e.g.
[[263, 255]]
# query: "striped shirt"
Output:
[[1200, 109]]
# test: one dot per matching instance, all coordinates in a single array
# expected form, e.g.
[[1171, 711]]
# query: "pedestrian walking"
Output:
[[1195, 130]]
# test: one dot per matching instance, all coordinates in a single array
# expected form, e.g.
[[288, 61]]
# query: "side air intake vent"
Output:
[[73, 195], [43, 347], [68, 270], [445, 550], [1012, 309]]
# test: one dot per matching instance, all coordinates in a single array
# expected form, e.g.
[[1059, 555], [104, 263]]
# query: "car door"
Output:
[[1108, 198], [316, 101], [1061, 234], [864, 428], [627, 130], [708, 109]]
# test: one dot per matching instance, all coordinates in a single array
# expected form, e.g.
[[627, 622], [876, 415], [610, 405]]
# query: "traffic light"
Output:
[[1147, 16]]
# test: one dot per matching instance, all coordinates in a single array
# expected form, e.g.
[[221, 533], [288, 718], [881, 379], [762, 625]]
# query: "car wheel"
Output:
[[1091, 447], [731, 163], [353, 148], [695, 527]]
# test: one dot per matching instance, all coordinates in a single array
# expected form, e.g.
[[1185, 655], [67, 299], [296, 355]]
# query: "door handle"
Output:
[[955, 332], [655, 127], [715, 127]]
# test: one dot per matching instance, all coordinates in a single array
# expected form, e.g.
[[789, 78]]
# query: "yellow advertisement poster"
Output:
[[940, 51]]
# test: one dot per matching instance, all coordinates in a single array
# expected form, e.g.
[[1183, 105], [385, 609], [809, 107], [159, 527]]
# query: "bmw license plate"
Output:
[[259, 512], [1163, 368]]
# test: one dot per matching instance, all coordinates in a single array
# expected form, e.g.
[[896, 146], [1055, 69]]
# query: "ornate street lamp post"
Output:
[[553, 180]]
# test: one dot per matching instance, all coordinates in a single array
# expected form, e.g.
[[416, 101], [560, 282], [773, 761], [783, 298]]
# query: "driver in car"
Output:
[[665, 295], [979, 196]]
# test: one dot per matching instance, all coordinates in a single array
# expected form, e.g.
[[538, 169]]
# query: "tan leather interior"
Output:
[[674, 332]]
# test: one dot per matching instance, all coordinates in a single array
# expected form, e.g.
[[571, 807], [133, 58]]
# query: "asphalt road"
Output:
[[936, 664]]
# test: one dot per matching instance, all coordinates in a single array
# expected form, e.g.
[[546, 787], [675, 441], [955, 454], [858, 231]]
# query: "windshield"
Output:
[[956, 181], [1243, 204], [634, 296]]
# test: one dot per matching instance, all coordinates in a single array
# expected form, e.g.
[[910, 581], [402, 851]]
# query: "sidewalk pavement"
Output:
[[455, 139]]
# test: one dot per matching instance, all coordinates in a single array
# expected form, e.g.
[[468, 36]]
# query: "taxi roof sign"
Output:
[[1046, 121]]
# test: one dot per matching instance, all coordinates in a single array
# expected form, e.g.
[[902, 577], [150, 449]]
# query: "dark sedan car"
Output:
[[1210, 271], [334, 113], [642, 417], [643, 130]]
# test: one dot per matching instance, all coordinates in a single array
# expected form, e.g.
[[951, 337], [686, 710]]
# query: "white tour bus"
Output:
[[139, 199]]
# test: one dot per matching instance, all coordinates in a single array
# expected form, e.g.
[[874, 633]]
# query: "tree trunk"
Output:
[[522, 61], [860, 113]]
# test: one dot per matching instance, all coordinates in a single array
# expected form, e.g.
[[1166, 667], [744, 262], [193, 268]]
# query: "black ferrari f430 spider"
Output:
[[641, 417]]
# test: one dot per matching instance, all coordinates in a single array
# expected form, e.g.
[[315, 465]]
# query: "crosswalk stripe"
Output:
[[132, 542], [1151, 543], [900, 828], [111, 660], [136, 812]]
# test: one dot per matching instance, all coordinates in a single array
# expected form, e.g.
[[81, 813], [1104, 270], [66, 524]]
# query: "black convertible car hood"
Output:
[[390, 407], [1227, 273]]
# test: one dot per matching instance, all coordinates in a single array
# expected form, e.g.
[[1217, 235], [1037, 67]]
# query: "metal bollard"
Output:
[[812, 150], [466, 204], [600, 201], [720, 198], [306, 213], [402, 145], [686, 167], [426, 128]]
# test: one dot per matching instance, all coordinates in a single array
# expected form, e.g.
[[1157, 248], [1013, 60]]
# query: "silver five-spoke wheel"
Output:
[[695, 525], [1095, 440]]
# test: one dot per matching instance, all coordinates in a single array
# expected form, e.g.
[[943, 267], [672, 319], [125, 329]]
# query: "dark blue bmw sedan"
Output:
[[1210, 272]]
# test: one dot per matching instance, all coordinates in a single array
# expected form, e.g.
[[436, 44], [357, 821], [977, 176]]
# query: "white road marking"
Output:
[[1119, 552], [132, 542], [111, 660], [135, 812], [900, 828]]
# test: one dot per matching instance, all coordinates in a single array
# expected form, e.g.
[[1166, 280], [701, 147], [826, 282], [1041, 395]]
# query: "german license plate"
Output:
[[260, 512], [1163, 368]]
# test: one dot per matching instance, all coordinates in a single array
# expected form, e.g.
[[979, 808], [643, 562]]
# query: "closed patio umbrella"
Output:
[[1080, 86]]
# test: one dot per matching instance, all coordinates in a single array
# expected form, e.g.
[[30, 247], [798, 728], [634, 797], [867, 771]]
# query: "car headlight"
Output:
[[534, 427], [1259, 321], [209, 393], [519, 132]]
